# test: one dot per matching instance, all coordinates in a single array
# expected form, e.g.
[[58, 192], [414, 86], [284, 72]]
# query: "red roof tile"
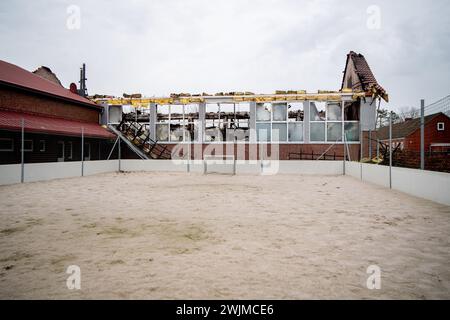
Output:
[[10, 120], [16, 76]]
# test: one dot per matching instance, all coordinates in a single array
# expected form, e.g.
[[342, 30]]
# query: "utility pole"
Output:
[[422, 134]]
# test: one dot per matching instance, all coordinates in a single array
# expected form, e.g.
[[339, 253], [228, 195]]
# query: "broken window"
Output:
[[295, 112], [191, 118], [334, 112], [351, 130], [279, 111], [162, 113], [162, 132], [295, 119], [351, 111], [317, 124], [242, 124], [334, 131], [263, 111], [177, 123], [317, 111]]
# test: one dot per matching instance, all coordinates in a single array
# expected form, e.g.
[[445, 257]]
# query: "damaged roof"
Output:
[[12, 75], [366, 80]]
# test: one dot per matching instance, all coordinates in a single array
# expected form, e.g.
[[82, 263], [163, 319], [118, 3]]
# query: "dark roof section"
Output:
[[404, 129], [12, 75], [367, 80]]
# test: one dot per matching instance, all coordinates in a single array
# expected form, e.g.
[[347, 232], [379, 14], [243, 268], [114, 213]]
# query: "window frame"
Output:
[[12, 145], [286, 122], [30, 149], [441, 126], [44, 144]]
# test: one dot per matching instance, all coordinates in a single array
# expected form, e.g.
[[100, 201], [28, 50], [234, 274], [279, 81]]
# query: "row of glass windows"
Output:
[[275, 122]]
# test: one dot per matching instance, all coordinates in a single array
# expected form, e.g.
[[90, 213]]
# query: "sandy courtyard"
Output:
[[169, 235]]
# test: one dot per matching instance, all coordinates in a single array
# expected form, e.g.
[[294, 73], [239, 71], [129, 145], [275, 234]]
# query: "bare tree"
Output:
[[408, 113]]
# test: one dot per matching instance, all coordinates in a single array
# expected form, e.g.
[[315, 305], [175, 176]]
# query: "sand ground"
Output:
[[169, 235]]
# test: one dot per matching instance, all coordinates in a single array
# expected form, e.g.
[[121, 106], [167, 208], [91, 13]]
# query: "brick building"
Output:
[[407, 134], [53, 119]]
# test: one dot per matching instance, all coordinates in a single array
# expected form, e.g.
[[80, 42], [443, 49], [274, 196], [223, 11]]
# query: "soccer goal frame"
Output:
[[219, 160]]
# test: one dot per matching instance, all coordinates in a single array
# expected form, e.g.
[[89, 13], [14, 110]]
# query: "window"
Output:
[[70, 150], [279, 125], [242, 123], [28, 145], [334, 122], [41, 145], [317, 120], [227, 122], [279, 122], [441, 126], [213, 123], [60, 150], [87, 151], [191, 116], [295, 122], [6, 144], [162, 122], [177, 123], [351, 121]]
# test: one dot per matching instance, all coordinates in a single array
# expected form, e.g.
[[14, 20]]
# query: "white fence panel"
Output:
[[10, 174], [430, 185], [51, 170]]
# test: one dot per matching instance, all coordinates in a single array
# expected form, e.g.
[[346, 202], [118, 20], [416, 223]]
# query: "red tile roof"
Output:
[[368, 82], [406, 128], [10, 120], [13, 75]]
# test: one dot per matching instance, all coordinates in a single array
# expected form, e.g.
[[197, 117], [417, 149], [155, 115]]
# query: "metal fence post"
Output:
[[390, 150], [22, 155], [345, 153], [422, 134], [82, 151], [120, 155], [370, 144]]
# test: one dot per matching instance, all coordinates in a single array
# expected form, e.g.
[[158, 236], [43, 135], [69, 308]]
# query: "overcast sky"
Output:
[[163, 46]]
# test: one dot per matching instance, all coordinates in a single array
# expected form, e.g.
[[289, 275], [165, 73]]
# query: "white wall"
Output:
[[10, 174], [100, 166], [311, 167], [51, 170], [430, 185], [434, 186]]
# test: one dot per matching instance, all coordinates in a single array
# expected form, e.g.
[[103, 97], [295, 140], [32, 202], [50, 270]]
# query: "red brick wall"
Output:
[[18, 100], [432, 135]]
